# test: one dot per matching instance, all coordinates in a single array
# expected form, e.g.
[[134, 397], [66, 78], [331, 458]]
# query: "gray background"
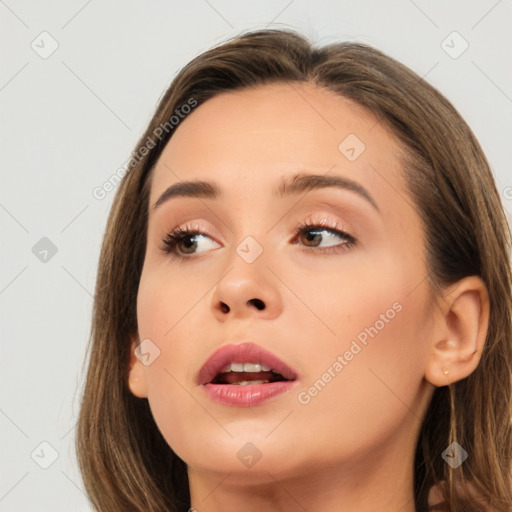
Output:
[[69, 120]]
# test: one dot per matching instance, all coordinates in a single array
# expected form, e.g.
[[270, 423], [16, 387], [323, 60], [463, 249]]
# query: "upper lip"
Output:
[[242, 353]]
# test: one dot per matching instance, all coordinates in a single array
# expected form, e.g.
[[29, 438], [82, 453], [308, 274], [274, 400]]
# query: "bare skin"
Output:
[[350, 445]]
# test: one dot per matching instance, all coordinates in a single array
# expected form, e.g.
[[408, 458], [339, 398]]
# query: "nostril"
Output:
[[258, 303], [224, 307]]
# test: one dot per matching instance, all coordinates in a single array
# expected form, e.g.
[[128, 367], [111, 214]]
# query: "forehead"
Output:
[[250, 138]]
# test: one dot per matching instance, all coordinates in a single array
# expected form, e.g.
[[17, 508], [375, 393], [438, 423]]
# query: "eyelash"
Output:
[[173, 238]]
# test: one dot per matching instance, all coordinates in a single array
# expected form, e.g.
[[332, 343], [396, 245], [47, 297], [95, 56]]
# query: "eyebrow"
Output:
[[295, 185]]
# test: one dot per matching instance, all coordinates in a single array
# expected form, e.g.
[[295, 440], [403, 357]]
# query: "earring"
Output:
[[445, 371]]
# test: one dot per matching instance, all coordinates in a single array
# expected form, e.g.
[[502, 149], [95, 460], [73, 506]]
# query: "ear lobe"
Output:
[[137, 381], [460, 332]]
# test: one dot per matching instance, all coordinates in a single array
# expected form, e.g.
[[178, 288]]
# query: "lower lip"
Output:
[[246, 396]]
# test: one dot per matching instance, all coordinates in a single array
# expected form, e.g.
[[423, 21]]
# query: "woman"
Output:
[[303, 299]]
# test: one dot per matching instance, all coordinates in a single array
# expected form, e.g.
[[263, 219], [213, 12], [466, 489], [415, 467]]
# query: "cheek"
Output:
[[368, 371], [168, 314], [165, 301], [380, 375]]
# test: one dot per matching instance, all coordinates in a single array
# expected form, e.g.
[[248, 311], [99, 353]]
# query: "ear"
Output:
[[137, 381], [459, 332]]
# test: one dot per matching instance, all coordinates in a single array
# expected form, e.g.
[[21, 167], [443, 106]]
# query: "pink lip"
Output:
[[252, 394]]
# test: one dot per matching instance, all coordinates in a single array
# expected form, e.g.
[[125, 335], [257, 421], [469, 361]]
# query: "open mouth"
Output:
[[244, 364], [244, 374]]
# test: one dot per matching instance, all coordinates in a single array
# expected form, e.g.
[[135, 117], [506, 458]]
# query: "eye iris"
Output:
[[189, 244], [312, 236]]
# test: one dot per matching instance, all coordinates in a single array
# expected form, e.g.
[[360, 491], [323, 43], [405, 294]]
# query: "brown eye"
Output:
[[311, 238], [312, 235], [184, 242]]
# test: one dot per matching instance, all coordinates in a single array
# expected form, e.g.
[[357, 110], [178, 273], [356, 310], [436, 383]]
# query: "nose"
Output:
[[247, 290], [257, 303]]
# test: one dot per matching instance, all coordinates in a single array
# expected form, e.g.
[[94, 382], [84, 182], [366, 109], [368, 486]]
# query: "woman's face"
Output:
[[343, 304]]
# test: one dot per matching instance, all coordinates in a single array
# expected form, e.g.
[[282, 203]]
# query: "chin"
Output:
[[248, 452]]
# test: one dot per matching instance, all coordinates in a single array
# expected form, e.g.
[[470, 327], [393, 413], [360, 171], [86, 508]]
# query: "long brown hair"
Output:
[[125, 462]]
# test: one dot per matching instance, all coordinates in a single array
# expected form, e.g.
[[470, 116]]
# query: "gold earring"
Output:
[[445, 371]]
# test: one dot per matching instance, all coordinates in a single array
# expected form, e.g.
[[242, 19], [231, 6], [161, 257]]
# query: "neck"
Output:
[[381, 482]]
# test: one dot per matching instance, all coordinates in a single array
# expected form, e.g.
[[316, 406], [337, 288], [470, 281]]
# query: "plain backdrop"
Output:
[[79, 81]]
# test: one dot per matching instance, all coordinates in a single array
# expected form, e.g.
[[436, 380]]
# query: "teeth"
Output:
[[245, 367], [252, 367], [253, 382]]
